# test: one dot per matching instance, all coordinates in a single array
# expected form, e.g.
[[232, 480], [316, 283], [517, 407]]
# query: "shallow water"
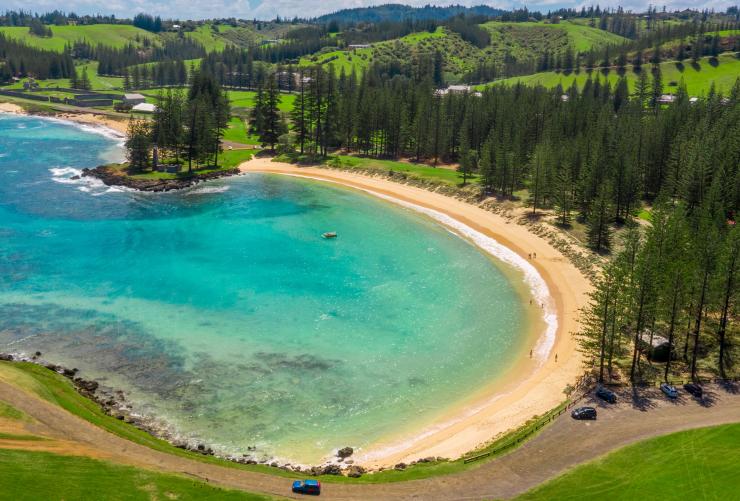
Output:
[[221, 308]]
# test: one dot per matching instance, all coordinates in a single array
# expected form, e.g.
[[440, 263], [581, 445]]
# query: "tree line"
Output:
[[20, 60], [187, 126]]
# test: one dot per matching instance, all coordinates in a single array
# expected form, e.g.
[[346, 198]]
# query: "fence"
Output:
[[24, 95], [89, 103]]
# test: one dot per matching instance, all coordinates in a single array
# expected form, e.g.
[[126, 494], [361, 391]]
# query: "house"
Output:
[[457, 89], [565, 98], [667, 99], [134, 99], [693, 100], [144, 108], [359, 46]]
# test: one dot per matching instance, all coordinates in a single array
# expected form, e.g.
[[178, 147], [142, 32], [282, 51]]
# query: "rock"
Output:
[[38, 354], [400, 466], [355, 471], [349, 461], [332, 469], [6, 357], [75, 178], [345, 452], [274, 464], [429, 459]]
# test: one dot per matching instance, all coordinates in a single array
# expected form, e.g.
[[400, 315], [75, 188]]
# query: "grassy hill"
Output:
[[527, 40], [523, 41], [694, 464], [697, 77], [113, 35]]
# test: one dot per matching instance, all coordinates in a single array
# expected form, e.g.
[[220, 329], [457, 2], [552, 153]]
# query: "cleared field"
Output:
[[697, 77], [113, 35], [530, 39], [694, 464], [42, 475], [209, 38]]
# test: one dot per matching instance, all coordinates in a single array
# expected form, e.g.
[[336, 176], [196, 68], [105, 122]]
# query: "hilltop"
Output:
[[398, 12]]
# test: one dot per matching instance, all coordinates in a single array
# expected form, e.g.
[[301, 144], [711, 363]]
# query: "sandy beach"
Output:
[[524, 392], [95, 119]]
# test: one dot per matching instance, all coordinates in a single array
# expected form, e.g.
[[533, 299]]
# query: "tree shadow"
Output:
[[621, 71], [680, 66], [731, 387], [696, 66], [708, 398], [713, 61], [642, 399]]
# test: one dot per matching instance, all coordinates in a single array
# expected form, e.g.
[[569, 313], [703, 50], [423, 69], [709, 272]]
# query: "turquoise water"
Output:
[[222, 309]]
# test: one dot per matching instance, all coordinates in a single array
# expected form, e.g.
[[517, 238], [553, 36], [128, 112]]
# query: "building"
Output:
[[457, 89], [144, 108], [134, 99], [359, 46], [667, 99]]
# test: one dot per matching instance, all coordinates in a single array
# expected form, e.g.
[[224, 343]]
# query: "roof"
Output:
[[145, 107], [134, 96], [311, 482]]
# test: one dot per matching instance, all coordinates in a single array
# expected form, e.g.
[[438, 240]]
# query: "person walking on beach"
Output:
[[556, 358]]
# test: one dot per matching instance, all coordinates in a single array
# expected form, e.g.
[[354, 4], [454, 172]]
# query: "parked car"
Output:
[[307, 487], [584, 413], [694, 389], [606, 395], [669, 390]]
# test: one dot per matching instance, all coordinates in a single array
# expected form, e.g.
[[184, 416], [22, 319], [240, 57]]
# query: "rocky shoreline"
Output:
[[111, 176], [114, 403]]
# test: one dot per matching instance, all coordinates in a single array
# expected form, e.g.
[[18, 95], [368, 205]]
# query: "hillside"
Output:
[[530, 39], [698, 78], [399, 12], [112, 35], [518, 41]]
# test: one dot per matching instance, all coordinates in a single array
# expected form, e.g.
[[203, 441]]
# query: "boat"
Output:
[[330, 234]]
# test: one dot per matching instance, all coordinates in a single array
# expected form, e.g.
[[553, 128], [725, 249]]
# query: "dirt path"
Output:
[[563, 444]]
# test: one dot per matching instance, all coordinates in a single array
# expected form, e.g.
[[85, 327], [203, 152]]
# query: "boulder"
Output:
[[345, 452], [332, 469], [400, 466], [355, 471]]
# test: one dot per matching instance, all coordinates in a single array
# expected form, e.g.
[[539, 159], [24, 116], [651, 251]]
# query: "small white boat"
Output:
[[329, 234]]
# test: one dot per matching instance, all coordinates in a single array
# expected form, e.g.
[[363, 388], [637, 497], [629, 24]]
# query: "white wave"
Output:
[[85, 184], [207, 189]]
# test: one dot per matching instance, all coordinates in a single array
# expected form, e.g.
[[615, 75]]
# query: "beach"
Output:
[[93, 119], [526, 391]]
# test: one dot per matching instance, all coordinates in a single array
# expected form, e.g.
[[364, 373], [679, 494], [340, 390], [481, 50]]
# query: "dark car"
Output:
[[584, 413], [669, 390], [694, 389], [606, 394], [307, 487]]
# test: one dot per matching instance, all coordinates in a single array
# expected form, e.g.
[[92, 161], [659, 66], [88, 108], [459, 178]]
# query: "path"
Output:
[[560, 446]]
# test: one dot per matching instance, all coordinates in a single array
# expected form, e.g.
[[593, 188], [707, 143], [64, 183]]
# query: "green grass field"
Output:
[[211, 40], [113, 35], [420, 171], [698, 79], [42, 475], [690, 465], [237, 132]]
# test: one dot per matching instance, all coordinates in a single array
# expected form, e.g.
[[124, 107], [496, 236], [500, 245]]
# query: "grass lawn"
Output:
[[689, 465], [113, 35], [228, 159], [421, 171], [237, 132], [42, 475], [698, 78]]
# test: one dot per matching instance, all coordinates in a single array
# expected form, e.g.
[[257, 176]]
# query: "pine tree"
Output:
[[137, 144], [599, 233]]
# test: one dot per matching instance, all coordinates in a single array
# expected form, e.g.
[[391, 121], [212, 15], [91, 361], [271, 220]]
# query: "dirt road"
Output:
[[563, 444]]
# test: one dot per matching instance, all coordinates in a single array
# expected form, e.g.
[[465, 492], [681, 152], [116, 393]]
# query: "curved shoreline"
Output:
[[519, 395]]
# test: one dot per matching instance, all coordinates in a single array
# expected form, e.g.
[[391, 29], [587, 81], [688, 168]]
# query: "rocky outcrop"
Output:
[[345, 452], [114, 176]]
